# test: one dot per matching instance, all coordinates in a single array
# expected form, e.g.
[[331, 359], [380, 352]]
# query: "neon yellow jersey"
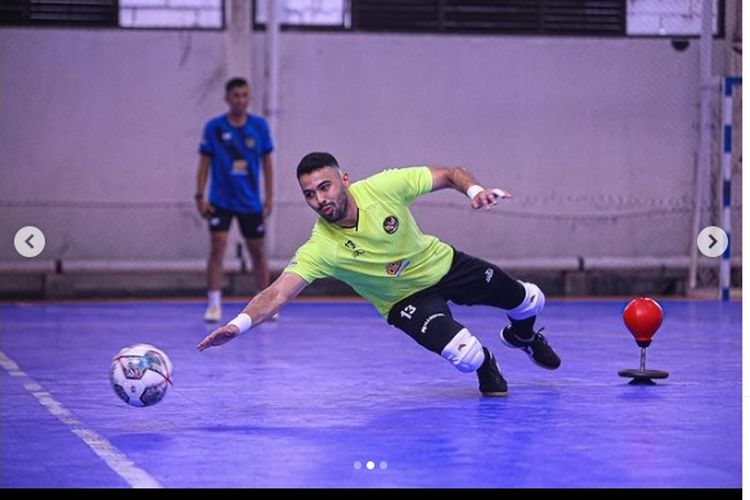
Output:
[[386, 257]]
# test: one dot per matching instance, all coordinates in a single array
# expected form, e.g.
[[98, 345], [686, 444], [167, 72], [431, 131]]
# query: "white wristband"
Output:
[[242, 321], [473, 191]]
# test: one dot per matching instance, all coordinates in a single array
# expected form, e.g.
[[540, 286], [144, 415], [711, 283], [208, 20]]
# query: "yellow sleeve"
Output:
[[402, 184], [308, 262]]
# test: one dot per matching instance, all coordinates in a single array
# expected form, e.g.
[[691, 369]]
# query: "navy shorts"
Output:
[[251, 225], [425, 315]]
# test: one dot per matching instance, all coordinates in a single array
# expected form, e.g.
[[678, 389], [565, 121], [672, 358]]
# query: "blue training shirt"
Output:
[[236, 154]]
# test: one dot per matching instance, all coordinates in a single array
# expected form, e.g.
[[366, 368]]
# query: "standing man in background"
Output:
[[233, 148]]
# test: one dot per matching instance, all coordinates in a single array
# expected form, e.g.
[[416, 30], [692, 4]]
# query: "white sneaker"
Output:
[[213, 314]]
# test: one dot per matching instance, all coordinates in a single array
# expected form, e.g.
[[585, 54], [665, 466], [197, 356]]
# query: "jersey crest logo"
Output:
[[390, 224], [249, 143], [396, 268]]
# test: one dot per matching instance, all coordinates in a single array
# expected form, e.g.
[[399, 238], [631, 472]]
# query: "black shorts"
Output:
[[425, 316], [251, 225]]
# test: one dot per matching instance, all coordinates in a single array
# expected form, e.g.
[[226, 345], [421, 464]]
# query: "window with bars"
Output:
[[59, 13], [600, 17], [558, 17]]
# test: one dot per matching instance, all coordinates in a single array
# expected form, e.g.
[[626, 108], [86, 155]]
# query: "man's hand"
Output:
[[218, 337], [488, 197], [205, 209]]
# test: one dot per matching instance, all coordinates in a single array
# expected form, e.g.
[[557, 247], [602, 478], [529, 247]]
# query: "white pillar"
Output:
[[237, 38], [271, 110], [703, 168]]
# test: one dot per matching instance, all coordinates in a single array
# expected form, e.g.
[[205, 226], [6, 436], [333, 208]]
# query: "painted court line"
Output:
[[114, 458]]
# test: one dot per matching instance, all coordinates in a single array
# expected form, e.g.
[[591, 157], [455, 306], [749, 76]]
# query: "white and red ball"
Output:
[[141, 374]]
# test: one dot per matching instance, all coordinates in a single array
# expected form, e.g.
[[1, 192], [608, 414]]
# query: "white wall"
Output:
[[594, 137]]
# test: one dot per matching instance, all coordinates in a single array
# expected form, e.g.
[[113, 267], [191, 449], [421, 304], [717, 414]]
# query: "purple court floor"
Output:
[[331, 396]]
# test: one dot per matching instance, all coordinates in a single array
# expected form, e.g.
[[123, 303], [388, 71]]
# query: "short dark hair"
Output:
[[235, 82], [314, 161]]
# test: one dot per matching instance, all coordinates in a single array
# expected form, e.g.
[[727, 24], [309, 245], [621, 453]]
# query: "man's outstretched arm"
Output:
[[464, 181], [261, 307]]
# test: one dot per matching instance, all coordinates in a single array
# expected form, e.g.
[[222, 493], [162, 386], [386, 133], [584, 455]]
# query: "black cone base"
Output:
[[642, 377]]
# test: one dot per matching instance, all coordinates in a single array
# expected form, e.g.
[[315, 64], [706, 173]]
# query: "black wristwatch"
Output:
[[198, 196]]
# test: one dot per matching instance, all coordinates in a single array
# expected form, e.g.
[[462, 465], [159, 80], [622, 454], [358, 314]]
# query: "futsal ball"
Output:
[[141, 374]]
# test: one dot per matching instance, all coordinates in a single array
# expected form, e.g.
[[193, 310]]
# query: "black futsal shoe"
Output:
[[491, 381], [535, 346]]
